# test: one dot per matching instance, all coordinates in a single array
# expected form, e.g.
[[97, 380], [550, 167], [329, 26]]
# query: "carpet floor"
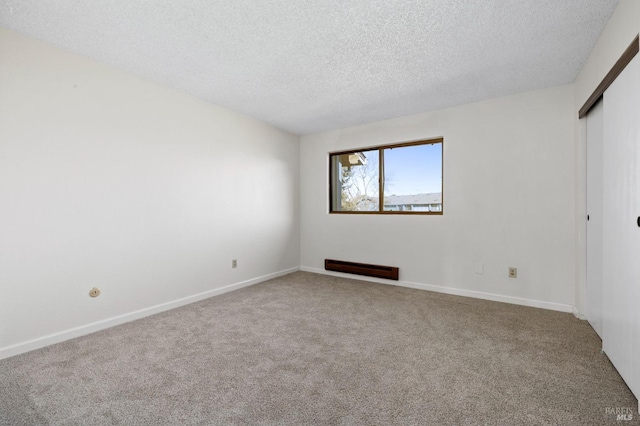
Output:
[[314, 349]]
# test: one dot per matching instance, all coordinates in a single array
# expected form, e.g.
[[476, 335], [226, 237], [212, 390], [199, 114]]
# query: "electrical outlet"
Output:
[[513, 272], [234, 263], [94, 292]]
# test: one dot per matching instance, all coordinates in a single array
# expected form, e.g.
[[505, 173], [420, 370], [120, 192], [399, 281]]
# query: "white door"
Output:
[[594, 217], [621, 230]]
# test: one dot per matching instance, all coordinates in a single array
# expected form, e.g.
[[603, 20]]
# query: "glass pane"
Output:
[[355, 184], [413, 178]]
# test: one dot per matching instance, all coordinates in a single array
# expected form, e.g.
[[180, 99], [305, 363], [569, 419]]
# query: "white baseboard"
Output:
[[454, 291], [50, 339], [577, 313]]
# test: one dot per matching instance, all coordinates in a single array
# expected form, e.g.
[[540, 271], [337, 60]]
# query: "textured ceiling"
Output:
[[312, 65]]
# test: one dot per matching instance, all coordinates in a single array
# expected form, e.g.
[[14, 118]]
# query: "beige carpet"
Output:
[[312, 349]]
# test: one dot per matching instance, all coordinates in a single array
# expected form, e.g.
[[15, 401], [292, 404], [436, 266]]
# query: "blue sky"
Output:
[[413, 170]]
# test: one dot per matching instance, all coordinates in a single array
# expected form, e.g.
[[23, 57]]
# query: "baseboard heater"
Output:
[[378, 271]]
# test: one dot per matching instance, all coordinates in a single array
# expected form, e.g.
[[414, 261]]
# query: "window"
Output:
[[403, 178]]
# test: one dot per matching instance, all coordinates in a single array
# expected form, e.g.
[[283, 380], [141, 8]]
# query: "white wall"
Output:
[[508, 201], [108, 180], [622, 28]]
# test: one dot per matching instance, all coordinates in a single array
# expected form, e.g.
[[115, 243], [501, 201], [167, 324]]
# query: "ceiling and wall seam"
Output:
[[319, 65]]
